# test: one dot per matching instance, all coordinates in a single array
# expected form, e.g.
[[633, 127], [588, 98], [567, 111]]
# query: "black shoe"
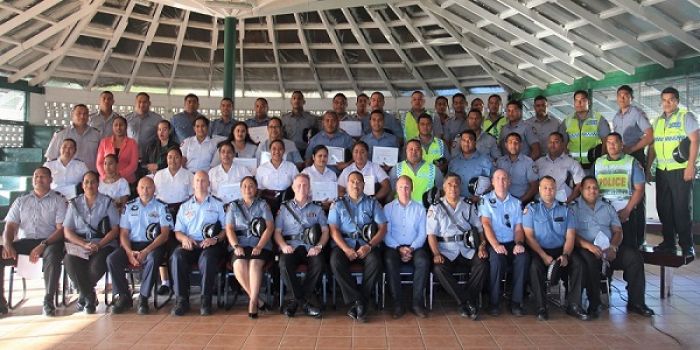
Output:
[[495, 310], [80, 304], [641, 309], [352, 313], [467, 310], [49, 308], [143, 308], [398, 311], [542, 314], [252, 315], [163, 290], [419, 311], [361, 311], [665, 247], [576, 311], [264, 306], [291, 308], [311, 311], [182, 305], [688, 252], [122, 303], [205, 308], [91, 303], [595, 311], [517, 310]]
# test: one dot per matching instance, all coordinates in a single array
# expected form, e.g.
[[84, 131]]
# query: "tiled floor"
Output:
[[678, 316]]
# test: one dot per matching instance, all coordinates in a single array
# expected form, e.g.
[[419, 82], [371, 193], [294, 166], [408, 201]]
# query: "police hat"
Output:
[[211, 230], [369, 231], [472, 239], [257, 226], [103, 227], [431, 197], [595, 153], [312, 235], [152, 231], [478, 184], [554, 272], [682, 151]]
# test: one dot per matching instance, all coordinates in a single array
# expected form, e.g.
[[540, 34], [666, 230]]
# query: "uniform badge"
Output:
[[189, 214], [153, 214], [134, 207], [168, 217]]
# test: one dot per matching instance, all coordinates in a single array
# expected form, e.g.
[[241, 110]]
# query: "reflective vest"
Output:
[[496, 130], [668, 134], [410, 126], [614, 178], [423, 179], [583, 138], [435, 151]]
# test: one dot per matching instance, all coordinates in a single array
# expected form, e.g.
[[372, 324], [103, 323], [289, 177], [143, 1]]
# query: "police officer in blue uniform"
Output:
[[550, 231], [197, 219], [349, 216], [296, 216], [501, 216], [144, 230], [449, 220]]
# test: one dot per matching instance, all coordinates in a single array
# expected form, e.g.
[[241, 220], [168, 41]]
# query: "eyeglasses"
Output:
[[507, 218]]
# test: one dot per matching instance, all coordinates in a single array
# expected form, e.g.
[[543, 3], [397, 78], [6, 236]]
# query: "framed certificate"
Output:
[[258, 133], [385, 155], [352, 127], [335, 155], [321, 191], [369, 185], [229, 192], [249, 163]]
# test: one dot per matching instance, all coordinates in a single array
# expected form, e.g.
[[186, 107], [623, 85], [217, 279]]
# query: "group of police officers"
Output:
[[494, 196]]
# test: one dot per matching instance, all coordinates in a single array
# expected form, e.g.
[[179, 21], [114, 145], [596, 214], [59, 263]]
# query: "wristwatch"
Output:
[[45, 243], [319, 246], [216, 238], [236, 246]]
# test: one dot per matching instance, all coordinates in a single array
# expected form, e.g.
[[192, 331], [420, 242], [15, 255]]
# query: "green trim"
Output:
[[20, 85], [230, 57], [617, 78]]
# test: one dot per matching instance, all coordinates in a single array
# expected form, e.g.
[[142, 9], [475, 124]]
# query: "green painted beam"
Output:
[[617, 78], [230, 57], [20, 85]]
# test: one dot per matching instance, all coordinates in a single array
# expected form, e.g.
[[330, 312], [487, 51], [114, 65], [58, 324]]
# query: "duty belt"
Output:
[[455, 238], [293, 237]]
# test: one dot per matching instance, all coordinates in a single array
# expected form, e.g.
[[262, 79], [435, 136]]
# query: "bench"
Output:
[[666, 261]]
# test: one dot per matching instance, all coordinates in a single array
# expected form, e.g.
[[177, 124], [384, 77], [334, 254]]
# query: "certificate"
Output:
[[229, 192], [68, 191], [335, 155], [28, 270], [385, 155], [265, 157], [258, 133], [321, 191], [369, 185], [76, 250], [352, 127], [249, 163]]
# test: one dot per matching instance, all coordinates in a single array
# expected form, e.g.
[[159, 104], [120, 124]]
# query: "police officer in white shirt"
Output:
[[86, 138], [361, 163], [67, 172], [198, 150], [226, 174]]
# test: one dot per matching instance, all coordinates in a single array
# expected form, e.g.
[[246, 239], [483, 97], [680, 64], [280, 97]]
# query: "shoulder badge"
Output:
[[132, 201]]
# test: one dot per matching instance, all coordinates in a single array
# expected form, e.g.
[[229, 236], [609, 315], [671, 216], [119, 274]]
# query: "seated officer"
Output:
[[550, 232], [597, 220], [501, 215], [34, 227], [348, 217], [294, 217], [140, 247], [404, 241], [448, 221], [194, 217]]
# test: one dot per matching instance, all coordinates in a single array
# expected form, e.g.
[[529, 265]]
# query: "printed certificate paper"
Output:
[[385, 155], [321, 191]]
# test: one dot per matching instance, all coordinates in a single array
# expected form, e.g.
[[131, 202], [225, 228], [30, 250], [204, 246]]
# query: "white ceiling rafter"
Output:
[[27, 15], [109, 48], [152, 28], [272, 36], [212, 51], [338, 49], [61, 40], [178, 48], [307, 52]]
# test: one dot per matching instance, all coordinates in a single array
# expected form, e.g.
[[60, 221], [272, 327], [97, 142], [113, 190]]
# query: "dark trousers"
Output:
[[340, 265], [117, 262], [52, 256], [86, 273], [628, 260], [289, 263], [673, 198], [538, 275], [477, 270], [634, 229], [208, 261], [499, 266], [421, 266]]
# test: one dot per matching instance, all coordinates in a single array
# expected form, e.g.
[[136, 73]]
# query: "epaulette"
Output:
[[605, 200], [160, 201], [217, 198], [573, 203], [468, 200], [561, 203], [133, 201], [534, 202]]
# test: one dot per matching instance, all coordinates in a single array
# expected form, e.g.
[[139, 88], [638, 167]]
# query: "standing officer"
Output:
[[424, 175], [34, 226], [584, 130], [86, 138], [194, 217], [144, 230], [674, 172], [348, 217], [595, 217], [433, 147], [296, 216], [469, 163], [633, 124], [486, 144], [501, 215], [377, 135], [530, 145], [621, 180], [404, 245], [494, 121], [104, 116], [550, 233], [409, 121], [183, 122], [562, 168], [298, 121], [332, 136], [449, 220], [520, 168], [543, 123]]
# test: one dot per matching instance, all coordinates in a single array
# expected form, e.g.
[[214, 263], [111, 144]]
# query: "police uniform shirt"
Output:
[[291, 153], [549, 224], [220, 177], [276, 179], [453, 126], [316, 176], [173, 189], [199, 154], [240, 220], [468, 167], [295, 124], [86, 144], [310, 214], [104, 126], [137, 216], [439, 224], [193, 216], [504, 215], [405, 224], [393, 124], [143, 129], [526, 132], [591, 221], [486, 144], [560, 169], [339, 139], [386, 140], [255, 122], [349, 217], [248, 152], [220, 127], [364, 121], [347, 117], [631, 125], [36, 216], [370, 169], [522, 171], [116, 189], [79, 215], [543, 128], [182, 125], [65, 177]]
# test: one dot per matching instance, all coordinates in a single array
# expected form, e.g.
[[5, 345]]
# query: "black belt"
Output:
[[293, 237], [354, 235], [455, 238], [242, 233]]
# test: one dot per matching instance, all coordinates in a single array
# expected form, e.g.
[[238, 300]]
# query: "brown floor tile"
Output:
[[299, 342], [277, 330], [193, 339], [324, 343], [202, 328], [402, 331], [227, 341], [547, 340], [139, 346], [368, 330], [230, 329], [441, 342], [335, 331], [436, 330], [262, 341], [512, 341], [302, 330], [155, 338], [405, 342], [369, 343], [477, 341]]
